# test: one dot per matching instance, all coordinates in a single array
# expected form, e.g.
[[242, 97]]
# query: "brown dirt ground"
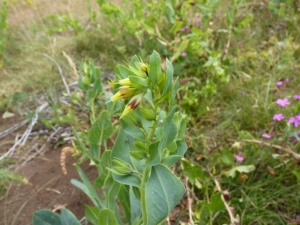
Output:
[[47, 187]]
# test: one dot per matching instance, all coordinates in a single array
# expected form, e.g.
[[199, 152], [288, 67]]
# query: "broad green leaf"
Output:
[[83, 86], [216, 203], [154, 154], [148, 97], [121, 150], [101, 129], [135, 206], [124, 200], [68, 218], [169, 12], [46, 217], [131, 179], [103, 172], [178, 154], [169, 77], [174, 93], [92, 213], [135, 132], [193, 172], [87, 188], [154, 68], [139, 83], [227, 157], [163, 191], [133, 61], [122, 72], [169, 130], [171, 160], [94, 91], [241, 169], [107, 217]]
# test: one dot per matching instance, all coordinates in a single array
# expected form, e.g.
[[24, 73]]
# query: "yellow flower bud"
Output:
[[125, 82], [125, 92], [133, 104]]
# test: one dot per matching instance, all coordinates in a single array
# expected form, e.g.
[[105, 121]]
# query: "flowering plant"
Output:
[[136, 172]]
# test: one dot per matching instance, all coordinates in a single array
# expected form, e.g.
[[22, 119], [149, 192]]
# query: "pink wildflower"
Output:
[[282, 102], [266, 136], [279, 83], [296, 97], [278, 117], [239, 158], [183, 54], [295, 121]]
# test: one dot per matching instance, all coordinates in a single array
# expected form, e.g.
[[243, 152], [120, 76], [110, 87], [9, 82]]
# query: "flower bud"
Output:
[[125, 82], [121, 167], [133, 104], [144, 67], [149, 114], [125, 92], [133, 119]]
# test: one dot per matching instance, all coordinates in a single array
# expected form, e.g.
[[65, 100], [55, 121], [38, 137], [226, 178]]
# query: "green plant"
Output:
[[3, 29], [136, 171]]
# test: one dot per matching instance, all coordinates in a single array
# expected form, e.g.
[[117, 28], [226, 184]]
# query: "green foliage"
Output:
[[3, 29], [136, 171], [63, 23], [45, 216]]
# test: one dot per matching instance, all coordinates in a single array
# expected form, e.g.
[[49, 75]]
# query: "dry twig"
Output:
[[60, 73], [233, 220]]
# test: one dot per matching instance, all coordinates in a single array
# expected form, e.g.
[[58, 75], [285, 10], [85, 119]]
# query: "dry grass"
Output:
[[25, 67]]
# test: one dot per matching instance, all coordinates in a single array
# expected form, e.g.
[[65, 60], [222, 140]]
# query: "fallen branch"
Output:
[[190, 201], [26, 134], [288, 150], [13, 128]]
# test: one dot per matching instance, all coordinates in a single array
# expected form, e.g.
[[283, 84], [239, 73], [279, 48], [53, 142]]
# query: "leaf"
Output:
[[122, 72], [193, 172], [94, 91], [87, 188], [7, 114], [92, 213], [169, 76], [134, 60], [241, 169], [139, 82], [121, 150], [107, 217], [181, 48], [246, 135], [46, 217], [216, 203], [101, 129], [68, 218], [154, 68], [163, 191], [135, 206], [135, 132]]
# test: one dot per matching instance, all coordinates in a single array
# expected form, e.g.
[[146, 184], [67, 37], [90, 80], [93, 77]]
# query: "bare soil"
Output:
[[47, 187]]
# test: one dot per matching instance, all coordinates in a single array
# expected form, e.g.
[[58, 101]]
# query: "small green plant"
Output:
[[63, 23], [135, 173], [3, 29]]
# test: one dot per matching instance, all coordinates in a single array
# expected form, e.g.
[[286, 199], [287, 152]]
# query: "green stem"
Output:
[[93, 111], [143, 194], [153, 127]]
